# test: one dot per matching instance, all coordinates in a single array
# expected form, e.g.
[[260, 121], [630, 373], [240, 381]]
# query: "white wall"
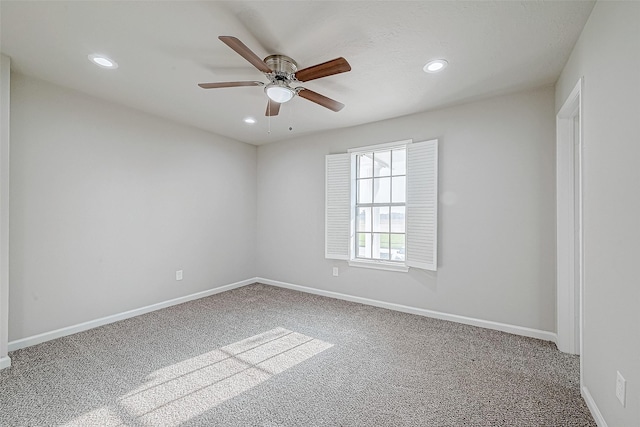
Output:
[[608, 56], [107, 202], [497, 212]]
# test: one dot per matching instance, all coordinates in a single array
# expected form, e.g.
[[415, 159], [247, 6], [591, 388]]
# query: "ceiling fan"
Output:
[[282, 72]]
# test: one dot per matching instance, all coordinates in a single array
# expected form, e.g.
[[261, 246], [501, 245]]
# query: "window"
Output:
[[381, 205]]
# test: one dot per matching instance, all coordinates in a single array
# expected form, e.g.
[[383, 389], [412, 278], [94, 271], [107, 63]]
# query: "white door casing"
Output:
[[569, 238], [5, 75]]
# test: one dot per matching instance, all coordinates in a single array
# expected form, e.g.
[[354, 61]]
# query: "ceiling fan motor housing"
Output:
[[283, 73], [283, 67]]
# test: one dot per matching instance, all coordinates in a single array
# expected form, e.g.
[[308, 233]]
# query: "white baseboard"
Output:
[[591, 404], [5, 362], [504, 327], [46, 336]]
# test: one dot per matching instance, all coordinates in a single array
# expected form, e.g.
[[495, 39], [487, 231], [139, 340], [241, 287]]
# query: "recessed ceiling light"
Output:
[[103, 61], [435, 66], [250, 120]]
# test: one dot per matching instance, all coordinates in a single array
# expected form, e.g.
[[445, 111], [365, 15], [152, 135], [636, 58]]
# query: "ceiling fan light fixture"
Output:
[[279, 92], [435, 66], [282, 71]]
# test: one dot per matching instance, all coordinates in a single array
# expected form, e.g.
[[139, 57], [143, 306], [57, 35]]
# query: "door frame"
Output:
[[569, 224], [5, 76]]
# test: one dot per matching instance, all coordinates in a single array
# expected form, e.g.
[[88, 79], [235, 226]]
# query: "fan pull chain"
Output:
[[269, 119], [290, 119]]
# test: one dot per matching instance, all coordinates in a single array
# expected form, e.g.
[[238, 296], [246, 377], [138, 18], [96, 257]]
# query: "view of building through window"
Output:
[[380, 204]]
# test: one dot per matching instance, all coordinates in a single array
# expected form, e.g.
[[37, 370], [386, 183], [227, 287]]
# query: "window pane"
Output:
[[364, 219], [380, 246], [365, 190], [381, 219], [364, 245], [398, 189], [399, 165], [382, 163], [382, 190], [397, 247], [397, 219], [365, 166]]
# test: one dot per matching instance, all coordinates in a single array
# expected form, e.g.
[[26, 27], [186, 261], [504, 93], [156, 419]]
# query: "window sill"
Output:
[[379, 265]]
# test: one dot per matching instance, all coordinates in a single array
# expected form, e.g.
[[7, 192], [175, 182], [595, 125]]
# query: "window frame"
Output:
[[354, 260]]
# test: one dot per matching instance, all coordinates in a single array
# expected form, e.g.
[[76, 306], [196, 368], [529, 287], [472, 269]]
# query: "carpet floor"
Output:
[[265, 356]]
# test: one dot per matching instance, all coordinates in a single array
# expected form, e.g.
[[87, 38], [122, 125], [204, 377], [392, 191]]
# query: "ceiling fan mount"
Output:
[[281, 64], [281, 71]]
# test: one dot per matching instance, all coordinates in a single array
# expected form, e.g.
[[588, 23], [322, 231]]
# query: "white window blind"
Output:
[[422, 205], [338, 206]]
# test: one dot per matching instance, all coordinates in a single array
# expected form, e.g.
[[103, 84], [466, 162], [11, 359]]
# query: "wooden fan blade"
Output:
[[228, 84], [273, 108], [321, 100], [242, 50], [329, 68]]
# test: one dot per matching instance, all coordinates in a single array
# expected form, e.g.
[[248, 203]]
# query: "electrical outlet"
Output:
[[621, 388], [335, 271], [178, 274]]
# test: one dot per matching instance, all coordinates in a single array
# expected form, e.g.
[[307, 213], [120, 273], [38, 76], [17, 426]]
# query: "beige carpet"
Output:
[[264, 356]]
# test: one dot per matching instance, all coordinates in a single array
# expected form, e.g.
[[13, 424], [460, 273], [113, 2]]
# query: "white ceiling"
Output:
[[165, 48]]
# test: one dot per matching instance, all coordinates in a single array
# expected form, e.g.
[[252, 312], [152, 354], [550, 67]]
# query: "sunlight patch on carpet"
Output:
[[179, 392]]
